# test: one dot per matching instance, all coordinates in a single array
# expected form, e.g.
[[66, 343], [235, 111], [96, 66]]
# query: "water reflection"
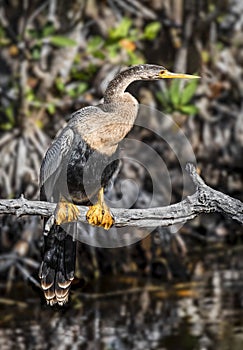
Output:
[[126, 313]]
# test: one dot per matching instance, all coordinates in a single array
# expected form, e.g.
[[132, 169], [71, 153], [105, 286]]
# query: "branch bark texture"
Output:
[[204, 200]]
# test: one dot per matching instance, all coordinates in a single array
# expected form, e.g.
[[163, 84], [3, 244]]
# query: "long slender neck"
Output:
[[113, 119], [118, 85]]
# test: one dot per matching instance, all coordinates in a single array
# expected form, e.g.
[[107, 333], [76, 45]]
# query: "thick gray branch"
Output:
[[204, 200]]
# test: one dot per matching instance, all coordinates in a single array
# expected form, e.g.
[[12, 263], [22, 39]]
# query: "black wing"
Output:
[[53, 161]]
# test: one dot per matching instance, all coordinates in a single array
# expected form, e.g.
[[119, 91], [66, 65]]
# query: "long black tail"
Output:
[[58, 265]]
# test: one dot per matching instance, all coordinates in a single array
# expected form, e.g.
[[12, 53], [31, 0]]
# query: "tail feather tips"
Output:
[[58, 266]]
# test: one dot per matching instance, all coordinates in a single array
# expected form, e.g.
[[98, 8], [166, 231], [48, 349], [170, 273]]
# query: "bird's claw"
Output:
[[100, 215], [66, 212]]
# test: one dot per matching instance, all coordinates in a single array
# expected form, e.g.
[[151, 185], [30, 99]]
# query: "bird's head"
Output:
[[155, 72], [118, 85]]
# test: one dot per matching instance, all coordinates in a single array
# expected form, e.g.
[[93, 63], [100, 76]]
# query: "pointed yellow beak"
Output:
[[165, 74]]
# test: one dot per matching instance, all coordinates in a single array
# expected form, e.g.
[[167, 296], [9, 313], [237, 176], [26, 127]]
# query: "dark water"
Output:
[[127, 313]]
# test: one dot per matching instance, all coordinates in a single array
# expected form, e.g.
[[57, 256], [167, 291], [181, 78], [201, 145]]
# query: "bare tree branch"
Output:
[[204, 200]]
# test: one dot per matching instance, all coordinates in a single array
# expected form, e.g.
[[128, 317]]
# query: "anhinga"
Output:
[[85, 146]]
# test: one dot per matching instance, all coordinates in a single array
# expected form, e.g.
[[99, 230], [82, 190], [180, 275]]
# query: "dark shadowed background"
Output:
[[175, 289]]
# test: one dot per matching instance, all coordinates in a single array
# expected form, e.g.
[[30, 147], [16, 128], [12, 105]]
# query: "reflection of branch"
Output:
[[204, 200]]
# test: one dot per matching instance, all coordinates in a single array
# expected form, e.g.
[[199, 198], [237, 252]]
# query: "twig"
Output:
[[134, 7], [36, 13], [135, 290], [204, 200], [11, 302], [8, 137], [164, 291]]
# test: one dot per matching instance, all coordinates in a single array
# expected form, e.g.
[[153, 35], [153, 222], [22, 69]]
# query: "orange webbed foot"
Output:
[[66, 212], [99, 214]]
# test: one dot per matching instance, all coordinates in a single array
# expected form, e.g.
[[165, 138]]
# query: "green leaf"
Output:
[[36, 53], [2, 33], [174, 92], [99, 54], [95, 43], [163, 98], [112, 50], [62, 41], [51, 108], [10, 114], [82, 87], [121, 31], [134, 34], [48, 30], [60, 84], [33, 33], [72, 93], [134, 58], [151, 30], [189, 110], [188, 92], [9, 121], [37, 103], [6, 126], [30, 96]]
